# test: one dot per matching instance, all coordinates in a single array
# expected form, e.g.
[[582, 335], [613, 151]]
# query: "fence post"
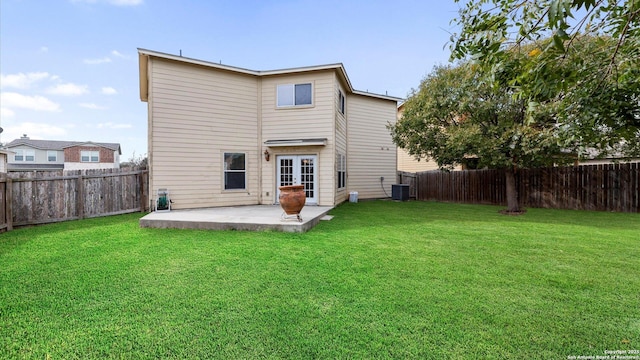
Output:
[[9, 203], [143, 200], [80, 193]]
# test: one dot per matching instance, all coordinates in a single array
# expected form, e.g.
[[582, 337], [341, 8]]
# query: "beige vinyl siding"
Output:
[[3, 162], [371, 152], [315, 121], [299, 122], [195, 116], [409, 163]]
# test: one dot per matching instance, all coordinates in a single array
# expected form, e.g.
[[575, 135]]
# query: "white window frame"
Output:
[[341, 171], [342, 102], [24, 155], [89, 154], [226, 170], [50, 154], [291, 103]]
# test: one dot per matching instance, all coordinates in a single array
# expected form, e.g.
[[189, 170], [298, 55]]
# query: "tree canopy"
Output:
[[586, 74]]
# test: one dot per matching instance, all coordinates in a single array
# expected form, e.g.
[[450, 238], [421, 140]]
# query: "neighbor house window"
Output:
[[294, 95], [52, 156], [19, 156], [342, 171], [340, 102], [235, 171], [25, 155], [89, 156]]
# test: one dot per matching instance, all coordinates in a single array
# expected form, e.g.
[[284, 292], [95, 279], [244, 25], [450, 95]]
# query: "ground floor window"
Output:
[[235, 171], [341, 164]]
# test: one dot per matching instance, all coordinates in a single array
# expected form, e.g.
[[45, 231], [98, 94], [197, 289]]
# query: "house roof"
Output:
[[144, 54], [60, 145]]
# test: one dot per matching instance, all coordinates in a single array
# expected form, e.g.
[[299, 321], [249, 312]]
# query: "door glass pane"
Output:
[[306, 174], [286, 172]]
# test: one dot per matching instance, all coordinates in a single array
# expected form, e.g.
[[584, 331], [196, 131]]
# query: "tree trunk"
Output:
[[513, 206]]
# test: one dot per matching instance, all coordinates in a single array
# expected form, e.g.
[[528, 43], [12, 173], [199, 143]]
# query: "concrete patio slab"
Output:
[[250, 217]]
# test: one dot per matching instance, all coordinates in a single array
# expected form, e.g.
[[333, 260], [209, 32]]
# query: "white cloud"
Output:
[[116, 53], [68, 89], [108, 90], [21, 80], [10, 100], [92, 106], [104, 60], [6, 113], [110, 125], [44, 49], [34, 131]]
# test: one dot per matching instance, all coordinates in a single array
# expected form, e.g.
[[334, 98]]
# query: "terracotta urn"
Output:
[[292, 198]]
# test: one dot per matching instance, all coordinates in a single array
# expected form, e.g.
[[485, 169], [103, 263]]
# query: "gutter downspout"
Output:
[[259, 131]]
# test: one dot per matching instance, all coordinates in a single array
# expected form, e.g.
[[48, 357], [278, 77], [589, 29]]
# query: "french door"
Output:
[[299, 170]]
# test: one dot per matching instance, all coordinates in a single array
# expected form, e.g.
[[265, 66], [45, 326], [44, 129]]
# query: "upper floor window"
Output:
[[25, 155], [235, 170], [89, 156], [340, 102], [52, 156], [294, 95]]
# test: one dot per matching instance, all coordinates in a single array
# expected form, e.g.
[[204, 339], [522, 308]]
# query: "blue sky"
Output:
[[70, 67]]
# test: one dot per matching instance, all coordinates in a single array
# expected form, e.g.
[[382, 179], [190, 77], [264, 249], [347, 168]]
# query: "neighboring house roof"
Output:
[[144, 54], [60, 145]]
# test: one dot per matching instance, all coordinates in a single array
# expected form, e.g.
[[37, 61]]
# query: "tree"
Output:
[[458, 113], [595, 101], [139, 161]]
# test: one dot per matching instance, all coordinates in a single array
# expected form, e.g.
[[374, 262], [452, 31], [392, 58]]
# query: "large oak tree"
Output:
[[457, 114], [531, 89]]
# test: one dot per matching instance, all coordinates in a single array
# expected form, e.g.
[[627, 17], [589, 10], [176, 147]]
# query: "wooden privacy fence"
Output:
[[30, 198], [610, 187]]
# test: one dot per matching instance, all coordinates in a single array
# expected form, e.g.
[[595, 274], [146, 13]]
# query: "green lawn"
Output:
[[381, 280]]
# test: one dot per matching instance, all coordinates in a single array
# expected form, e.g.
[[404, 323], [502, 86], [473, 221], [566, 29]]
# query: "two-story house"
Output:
[[220, 135], [29, 155]]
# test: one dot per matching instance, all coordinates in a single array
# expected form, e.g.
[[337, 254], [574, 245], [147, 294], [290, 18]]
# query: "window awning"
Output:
[[296, 142]]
